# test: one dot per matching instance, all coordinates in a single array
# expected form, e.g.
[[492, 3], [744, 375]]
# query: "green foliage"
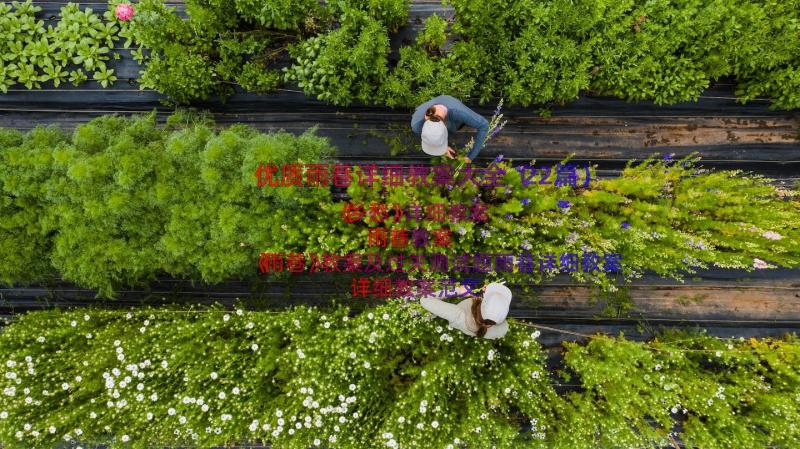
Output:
[[277, 14], [681, 219], [434, 35], [665, 52], [32, 54], [181, 76], [128, 200], [123, 201], [25, 178], [392, 13], [419, 76], [540, 52], [254, 78], [391, 377], [721, 392], [344, 65], [109, 218], [769, 53], [217, 46], [221, 44]]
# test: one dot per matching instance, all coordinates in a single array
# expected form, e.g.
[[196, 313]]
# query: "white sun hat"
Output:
[[496, 300], [434, 138]]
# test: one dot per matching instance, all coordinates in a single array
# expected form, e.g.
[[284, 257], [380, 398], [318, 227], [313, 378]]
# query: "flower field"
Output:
[[392, 377], [216, 224]]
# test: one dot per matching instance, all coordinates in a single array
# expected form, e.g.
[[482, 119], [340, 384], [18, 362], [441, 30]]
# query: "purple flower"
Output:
[[499, 158], [476, 199], [564, 204], [484, 233], [496, 131], [625, 225], [498, 108], [419, 237], [668, 157], [525, 201], [508, 216]]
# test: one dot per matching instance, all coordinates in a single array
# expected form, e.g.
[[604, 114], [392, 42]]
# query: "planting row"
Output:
[[529, 52], [392, 377], [121, 200]]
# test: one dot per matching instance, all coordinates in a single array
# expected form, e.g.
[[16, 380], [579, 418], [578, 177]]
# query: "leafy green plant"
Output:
[[344, 65], [767, 48], [277, 14], [31, 54], [392, 376], [217, 46], [420, 76], [392, 13], [125, 190], [434, 35], [112, 204]]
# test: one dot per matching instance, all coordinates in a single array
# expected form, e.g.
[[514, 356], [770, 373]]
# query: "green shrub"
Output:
[[235, 219], [545, 66], [665, 52], [548, 51], [392, 377], [434, 35], [420, 76], [218, 45], [392, 13], [345, 65], [122, 204], [768, 53], [26, 176], [110, 220], [125, 200], [277, 14], [181, 76]]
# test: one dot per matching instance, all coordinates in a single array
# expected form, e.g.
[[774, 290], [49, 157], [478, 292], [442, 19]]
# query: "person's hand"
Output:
[[451, 153], [461, 290], [467, 160]]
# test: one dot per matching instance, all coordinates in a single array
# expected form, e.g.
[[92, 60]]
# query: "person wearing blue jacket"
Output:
[[439, 117]]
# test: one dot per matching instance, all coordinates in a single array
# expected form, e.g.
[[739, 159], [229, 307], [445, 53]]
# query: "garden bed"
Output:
[[400, 377]]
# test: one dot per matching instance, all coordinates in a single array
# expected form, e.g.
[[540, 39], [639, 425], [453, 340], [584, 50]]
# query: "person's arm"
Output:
[[416, 124], [465, 115], [482, 125], [497, 331], [436, 306]]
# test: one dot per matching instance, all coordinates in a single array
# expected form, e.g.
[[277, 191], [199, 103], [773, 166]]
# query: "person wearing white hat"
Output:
[[436, 119], [482, 316]]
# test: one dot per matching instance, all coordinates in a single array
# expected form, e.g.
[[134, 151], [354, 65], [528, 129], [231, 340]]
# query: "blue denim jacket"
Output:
[[458, 115]]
